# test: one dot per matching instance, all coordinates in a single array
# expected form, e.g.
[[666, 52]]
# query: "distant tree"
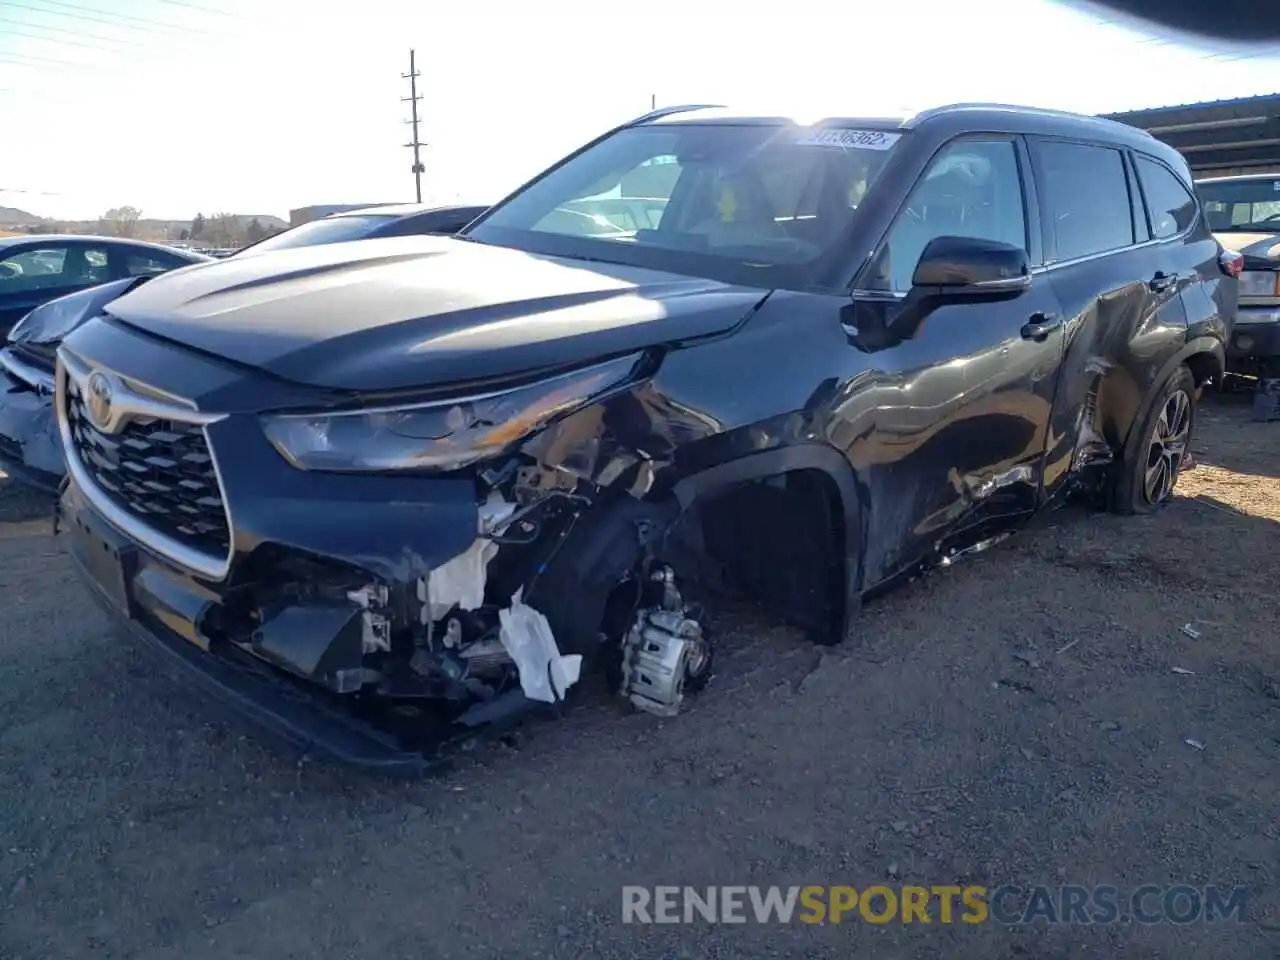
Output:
[[121, 221], [254, 232], [197, 226], [223, 230], [184, 236]]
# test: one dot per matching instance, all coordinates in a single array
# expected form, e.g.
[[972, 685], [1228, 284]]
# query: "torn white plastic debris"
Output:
[[526, 636], [461, 581], [494, 513]]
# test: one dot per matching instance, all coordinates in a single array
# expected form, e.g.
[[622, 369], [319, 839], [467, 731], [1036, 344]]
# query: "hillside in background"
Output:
[[14, 215], [214, 230]]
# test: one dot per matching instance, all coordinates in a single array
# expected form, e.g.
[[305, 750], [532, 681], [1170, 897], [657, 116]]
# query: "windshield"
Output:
[[756, 203], [1241, 204], [334, 230]]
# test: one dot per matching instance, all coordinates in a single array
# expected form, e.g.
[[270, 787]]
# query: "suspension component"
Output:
[[665, 653]]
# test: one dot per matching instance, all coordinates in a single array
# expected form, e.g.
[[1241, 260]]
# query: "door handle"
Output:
[[1040, 325], [1162, 281]]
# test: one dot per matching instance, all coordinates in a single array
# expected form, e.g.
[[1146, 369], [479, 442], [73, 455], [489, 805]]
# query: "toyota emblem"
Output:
[[98, 398]]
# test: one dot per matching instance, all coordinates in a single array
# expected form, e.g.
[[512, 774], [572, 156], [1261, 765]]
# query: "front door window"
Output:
[[971, 189]]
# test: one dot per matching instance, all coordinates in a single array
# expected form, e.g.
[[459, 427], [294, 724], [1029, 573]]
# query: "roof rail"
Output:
[[1040, 111], [668, 111]]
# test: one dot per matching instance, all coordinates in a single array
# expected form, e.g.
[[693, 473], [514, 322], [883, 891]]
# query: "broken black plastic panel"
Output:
[[317, 643]]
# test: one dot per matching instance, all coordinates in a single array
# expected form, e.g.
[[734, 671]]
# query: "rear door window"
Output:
[[1170, 205], [1085, 194], [148, 264]]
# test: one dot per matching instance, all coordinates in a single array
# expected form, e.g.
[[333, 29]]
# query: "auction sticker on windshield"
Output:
[[851, 139]]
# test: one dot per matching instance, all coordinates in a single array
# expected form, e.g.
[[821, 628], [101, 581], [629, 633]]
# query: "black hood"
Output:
[[409, 312]]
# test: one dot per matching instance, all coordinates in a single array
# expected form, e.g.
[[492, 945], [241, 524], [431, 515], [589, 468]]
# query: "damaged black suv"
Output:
[[377, 489]]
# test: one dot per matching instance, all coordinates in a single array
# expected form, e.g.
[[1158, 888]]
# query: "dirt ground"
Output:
[[1016, 718]]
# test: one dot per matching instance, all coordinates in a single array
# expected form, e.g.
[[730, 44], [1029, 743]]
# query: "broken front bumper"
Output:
[[168, 610]]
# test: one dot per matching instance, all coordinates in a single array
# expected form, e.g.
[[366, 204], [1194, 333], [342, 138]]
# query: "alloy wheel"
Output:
[[1168, 448]]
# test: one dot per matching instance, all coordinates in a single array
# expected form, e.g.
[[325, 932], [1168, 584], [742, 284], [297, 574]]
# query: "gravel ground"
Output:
[[1016, 718]]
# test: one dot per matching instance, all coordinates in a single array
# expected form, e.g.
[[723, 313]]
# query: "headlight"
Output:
[[441, 435], [1259, 283]]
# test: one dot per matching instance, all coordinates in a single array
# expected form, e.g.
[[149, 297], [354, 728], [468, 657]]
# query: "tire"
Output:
[[700, 672], [1157, 448]]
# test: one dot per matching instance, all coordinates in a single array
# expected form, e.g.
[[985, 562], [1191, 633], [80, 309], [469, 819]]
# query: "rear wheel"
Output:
[[1158, 449]]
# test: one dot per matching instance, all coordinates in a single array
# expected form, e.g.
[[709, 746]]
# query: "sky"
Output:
[[261, 106]]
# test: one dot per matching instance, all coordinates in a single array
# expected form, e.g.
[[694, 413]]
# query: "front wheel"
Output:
[[1158, 449]]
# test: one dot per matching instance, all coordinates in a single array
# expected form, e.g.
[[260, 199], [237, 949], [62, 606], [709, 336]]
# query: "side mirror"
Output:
[[966, 267], [950, 270]]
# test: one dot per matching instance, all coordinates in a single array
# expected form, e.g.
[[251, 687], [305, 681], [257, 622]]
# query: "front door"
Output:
[[964, 406]]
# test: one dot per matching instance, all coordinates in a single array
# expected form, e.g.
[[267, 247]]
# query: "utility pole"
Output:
[[653, 101], [412, 100]]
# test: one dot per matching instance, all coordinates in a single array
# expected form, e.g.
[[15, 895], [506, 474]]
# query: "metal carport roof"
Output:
[[1218, 137]]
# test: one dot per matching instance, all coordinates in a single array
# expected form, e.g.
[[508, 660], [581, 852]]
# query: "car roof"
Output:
[[402, 210], [977, 116], [6, 242], [905, 120]]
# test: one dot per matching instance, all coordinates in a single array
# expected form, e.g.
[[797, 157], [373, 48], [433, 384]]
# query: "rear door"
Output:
[[1119, 291], [1176, 222]]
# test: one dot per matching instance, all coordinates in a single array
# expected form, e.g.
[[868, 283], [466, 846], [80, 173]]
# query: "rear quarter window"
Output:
[[138, 263], [1170, 205]]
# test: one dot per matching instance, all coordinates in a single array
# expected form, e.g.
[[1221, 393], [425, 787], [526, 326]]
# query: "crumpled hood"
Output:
[[408, 312], [1260, 248]]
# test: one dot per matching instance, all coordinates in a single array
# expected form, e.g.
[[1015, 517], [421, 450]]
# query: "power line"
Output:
[[146, 21], [74, 33], [9, 31], [12, 58], [62, 35], [121, 22], [196, 6], [412, 99], [50, 40]]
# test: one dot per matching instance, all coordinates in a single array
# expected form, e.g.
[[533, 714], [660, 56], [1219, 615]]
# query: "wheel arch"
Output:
[[850, 497], [1205, 357]]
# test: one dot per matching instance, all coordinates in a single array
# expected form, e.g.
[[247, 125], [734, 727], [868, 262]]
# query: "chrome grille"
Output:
[[158, 470]]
